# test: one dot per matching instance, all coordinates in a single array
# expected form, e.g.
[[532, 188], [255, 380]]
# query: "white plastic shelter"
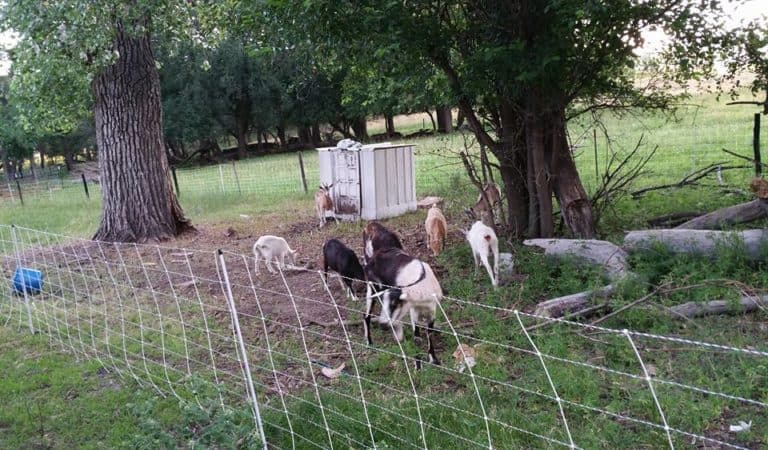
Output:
[[370, 182]]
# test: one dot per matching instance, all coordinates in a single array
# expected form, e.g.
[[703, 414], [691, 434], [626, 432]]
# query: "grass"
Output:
[[42, 407]]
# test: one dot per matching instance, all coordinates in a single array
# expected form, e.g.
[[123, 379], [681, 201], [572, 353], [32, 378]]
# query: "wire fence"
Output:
[[289, 345], [679, 151]]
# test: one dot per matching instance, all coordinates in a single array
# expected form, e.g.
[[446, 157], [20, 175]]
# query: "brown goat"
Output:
[[323, 202], [376, 237], [437, 229]]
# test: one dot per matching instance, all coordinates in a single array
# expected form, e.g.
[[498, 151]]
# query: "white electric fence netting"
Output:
[[290, 346]]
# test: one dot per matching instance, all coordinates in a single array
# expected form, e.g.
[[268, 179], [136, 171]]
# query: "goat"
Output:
[[323, 202], [409, 286], [376, 237], [486, 200], [343, 260], [436, 229], [483, 241], [272, 248]]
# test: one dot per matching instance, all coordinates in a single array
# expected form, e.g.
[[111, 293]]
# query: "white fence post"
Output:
[[242, 350], [23, 278]]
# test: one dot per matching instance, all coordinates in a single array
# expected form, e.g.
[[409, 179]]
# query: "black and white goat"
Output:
[[343, 260], [377, 237], [407, 285]]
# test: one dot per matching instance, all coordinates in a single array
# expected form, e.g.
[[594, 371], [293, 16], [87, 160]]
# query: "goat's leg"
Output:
[[268, 263], [350, 292], [484, 258], [495, 249], [414, 326], [256, 264], [367, 314], [431, 350]]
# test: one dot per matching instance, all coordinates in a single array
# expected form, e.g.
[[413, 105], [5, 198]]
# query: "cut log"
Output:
[[561, 306], [612, 258], [698, 309], [732, 215], [699, 242]]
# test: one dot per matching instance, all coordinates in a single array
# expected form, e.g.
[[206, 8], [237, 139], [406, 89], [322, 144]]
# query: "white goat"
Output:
[[272, 248], [323, 202], [483, 241]]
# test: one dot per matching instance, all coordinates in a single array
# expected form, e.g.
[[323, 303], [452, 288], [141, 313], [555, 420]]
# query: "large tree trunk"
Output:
[[575, 206], [444, 119], [69, 159], [511, 153], [281, 136], [139, 203]]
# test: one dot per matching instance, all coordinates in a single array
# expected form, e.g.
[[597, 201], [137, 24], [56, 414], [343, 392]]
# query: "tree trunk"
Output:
[[242, 139], [139, 203], [41, 150], [389, 124], [511, 153], [281, 136], [305, 136], [360, 127], [444, 119], [539, 154], [575, 206], [32, 166], [8, 167], [317, 138], [69, 159], [703, 243], [432, 119]]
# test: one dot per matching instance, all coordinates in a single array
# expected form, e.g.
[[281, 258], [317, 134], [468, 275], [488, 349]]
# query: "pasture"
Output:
[[156, 317]]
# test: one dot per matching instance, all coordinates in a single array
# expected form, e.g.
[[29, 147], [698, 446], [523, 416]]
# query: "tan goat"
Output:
[[437, 229], [481, 210], [323, 202]]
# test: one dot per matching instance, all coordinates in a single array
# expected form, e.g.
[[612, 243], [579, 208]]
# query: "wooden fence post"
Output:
[[85, 186], [301, 169], [756, 145]]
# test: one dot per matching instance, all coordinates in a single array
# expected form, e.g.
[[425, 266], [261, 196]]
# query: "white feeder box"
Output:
[[372, 182]]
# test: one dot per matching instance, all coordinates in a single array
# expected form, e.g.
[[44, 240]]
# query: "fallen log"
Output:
[[725, 217], [609, 256], [571, 304], [674, 219], [699, 242], [698, 309]]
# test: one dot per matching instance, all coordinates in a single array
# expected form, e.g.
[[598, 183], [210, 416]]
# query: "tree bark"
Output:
[[360, 127], [575, 206], [389, 125], [317, 138], [511, 153], [691, 310], [444, 119], [705, 243], [8, 167], [305, 136], [540, 155], [242, 138], [139, 203], [281, 136]]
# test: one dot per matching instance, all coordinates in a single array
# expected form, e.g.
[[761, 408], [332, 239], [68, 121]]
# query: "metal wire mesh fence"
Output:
[[680, 149], [288, 344]]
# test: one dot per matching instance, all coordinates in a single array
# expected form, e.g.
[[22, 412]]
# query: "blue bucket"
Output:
[[29, 280]]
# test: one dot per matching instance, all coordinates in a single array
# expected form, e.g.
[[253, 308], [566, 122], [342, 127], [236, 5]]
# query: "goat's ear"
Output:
[[464, 232], [329, 186]]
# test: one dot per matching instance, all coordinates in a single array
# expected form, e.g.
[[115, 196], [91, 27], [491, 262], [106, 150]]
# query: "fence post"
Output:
[[756, 145], [85, 185], [175, 181], [301, 169], [237, 180], [221, 178], [242, 350], [18, 187], [23, 278]]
